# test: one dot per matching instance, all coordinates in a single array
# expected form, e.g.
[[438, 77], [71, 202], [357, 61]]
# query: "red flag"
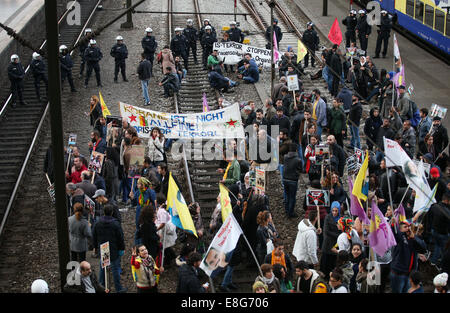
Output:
[[335, 34]]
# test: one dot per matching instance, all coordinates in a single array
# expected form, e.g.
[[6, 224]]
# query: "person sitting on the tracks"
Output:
[[181, 72], [220, 82], [249, 58], [170, 83], [213, 60], [250, 74]]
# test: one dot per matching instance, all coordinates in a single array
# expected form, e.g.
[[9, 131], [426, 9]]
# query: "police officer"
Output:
[[83, 46], [311, 40], [119, 52], [66, 67], [93, 55], [38, 69], [350, 21], [384, 32], [203, 29], [191, 35], [276, 30], [235, 33], [16, 73], [208, 39], [363, 30], [149, 45], [178, 45]]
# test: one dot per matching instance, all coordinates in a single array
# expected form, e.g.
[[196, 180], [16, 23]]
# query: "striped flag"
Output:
[[142, 121], [105, 110]]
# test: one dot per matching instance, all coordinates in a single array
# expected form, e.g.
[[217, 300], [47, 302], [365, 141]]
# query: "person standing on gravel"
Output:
[[93, 55], [119, 52], [149, 45], [144, 72], [235, 33], [311, 41]]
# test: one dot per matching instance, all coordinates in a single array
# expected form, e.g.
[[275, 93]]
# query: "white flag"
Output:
[[424, 195], [396, 50], [221, 249]]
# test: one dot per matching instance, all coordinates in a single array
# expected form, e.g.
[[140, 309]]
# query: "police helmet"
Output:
[[36, 55], [39, 286], [178, 29], [92, 42], [352, 11], [383, 12], [62, 47], [362, 12], [87, 30], [119, 38], [232, 23], [208, 27], [189, 22], [309, 24], [206, 20], [14, 56], [148, 30]]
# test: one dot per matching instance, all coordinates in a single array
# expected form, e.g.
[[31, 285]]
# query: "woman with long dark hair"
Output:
[[147, 230]]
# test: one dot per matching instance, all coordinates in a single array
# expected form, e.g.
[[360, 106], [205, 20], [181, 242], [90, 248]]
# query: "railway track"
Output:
[[24, 139]]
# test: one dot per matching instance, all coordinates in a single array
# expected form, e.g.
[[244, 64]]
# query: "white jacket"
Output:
[[305, 247], [153, 153]]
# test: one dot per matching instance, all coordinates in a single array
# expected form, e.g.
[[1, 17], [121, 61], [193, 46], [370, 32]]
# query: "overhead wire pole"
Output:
[[272, 72], [54, 97]]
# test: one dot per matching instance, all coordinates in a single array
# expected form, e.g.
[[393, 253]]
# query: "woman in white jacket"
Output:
[[156, 147], [305, 247]]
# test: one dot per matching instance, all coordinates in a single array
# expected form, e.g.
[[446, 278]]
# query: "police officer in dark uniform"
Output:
[[276, 30], [235, 33], [384, 32], [83, 46], [149, 45], [203, 29], [119, 52], [16, 73], [350, 21], [208, 39], [39, 71], [178, 45], [93, 55], [191, 35], [363, 30], [66, 67], [311, 40]]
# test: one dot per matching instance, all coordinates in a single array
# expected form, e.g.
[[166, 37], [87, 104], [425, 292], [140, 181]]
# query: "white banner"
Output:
[[221, 249], [218, 124], [232, 52]]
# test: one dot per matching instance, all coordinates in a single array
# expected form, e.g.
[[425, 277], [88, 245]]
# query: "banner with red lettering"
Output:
[[221, 249]]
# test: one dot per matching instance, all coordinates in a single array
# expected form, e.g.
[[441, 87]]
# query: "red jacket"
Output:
[[75, 177]]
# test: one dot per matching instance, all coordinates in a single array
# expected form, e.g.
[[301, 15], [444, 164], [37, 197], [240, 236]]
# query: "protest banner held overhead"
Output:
[[222, 247], [319, 198], [233, 52], [137, 155], [96, 162], [218, 124]]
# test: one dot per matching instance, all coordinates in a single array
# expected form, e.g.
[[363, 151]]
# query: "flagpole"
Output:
[[393, 69], [406, 191], [254, 256], [163, 244]]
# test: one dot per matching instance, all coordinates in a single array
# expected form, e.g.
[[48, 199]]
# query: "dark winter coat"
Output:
[[404, 255], [150, 239], [188, 281], [191, 34], [337, 123], [355, 114], [144, 70], [178, 44], [81, 288], [341, 157], [66, 63], [93, 54], [384, 132], [330, 234], [311, 39], [208, 40], [119, 52], [38, 68], [350, 22], [107, 228], [283, 122], [292, 166], [16, 72], [149, 44], [236, 35], [363, 27], [336, 65], [373, 124], [276, 30]]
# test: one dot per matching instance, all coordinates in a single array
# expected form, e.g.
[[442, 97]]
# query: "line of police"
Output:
[[360, 27]]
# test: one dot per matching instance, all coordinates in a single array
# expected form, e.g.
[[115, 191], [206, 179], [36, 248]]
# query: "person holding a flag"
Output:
[[276, 31]]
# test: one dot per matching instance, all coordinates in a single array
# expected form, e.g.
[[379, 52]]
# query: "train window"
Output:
[[439, 21], [429, 15], [410, 7], [419, 11]]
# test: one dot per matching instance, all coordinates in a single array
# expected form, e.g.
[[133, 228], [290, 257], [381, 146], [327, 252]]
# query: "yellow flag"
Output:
[[302, 51], [225, 202], [105, 110], [361, 187]]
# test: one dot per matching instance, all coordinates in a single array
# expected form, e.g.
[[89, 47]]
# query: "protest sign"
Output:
[[218, 124], [353, 165], [437, 110], [113, 127], [51, 192], [96, 162], [72, 139], [232, 52], [105, 254], [315, 197], [322, 149], [137, 155], [260, 181], [89, 205], [222, 246], [292, 82], [252, 178]]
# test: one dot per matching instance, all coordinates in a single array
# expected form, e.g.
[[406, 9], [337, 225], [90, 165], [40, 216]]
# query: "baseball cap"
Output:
[[99, 192]]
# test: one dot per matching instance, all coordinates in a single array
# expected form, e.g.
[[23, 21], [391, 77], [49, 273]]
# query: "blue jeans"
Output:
[[379, 156], [249, 79], [373, 93], [290, 192], [300, 155], [126, 188], [232, 82], [115, 268], [228, 276], [328, 77], [319, 130], [439, 243], [144, 85], [355, 141], [399, 283]]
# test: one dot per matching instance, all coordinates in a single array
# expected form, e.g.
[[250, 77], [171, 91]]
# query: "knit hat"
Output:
[[260, 284], [440, 280], [434, 172]]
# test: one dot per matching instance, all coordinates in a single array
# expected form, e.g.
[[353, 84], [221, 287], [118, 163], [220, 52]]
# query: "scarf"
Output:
[[149, 269], [278, 259], [346, 224], [267, 281], [141, 196]]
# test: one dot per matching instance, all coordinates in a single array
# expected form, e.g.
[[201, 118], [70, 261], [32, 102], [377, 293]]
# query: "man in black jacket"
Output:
[[281, 120], [119, 52], [336, 71], [384, 32], [311, 41], [440, 135], [350, 21], [339, 153], [292, 168], [144, 71], [107, 228], [277, 32], [170, 83], [354, 118], [188, 281], [85, 281], [191, 35], [93, 55], [363, 30], [16, 73], [149, 45], [39, 71], [178, 45], [235, 33], [66, 64], [440, 226], [207, 40], [384, 131]]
